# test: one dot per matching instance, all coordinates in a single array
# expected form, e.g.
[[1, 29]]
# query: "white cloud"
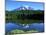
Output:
[[26, 6]]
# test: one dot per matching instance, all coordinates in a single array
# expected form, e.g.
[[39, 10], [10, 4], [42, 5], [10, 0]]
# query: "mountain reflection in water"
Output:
[[37, 26]]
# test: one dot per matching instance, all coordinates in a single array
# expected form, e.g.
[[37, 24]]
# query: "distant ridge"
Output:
[[24, 8]]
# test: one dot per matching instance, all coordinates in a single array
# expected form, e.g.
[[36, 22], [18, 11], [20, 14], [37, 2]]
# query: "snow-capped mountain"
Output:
[[24, 8]]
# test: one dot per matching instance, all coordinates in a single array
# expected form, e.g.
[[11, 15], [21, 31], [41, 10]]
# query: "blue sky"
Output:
[[11, 5]]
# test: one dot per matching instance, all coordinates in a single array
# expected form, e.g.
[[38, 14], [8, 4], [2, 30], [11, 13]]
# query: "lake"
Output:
[[11, 26]]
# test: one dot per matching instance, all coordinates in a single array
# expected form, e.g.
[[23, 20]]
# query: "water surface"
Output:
[[36, 26]]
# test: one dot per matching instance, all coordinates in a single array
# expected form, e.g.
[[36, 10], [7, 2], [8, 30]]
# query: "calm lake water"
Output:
[[37, 26]]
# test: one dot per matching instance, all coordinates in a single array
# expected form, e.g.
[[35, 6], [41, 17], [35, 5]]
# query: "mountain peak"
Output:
[[24, 8]]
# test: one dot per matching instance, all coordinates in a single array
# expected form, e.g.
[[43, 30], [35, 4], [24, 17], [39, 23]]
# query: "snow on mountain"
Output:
[[24, 8]]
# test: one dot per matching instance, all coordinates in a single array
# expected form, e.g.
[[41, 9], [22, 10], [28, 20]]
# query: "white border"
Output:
[[30, 0], [2, 18]]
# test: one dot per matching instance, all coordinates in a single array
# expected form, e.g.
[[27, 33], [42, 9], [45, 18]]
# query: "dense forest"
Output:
[[24, 15]]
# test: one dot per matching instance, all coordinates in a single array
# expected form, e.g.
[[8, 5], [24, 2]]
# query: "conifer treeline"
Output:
[[25, 14]]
